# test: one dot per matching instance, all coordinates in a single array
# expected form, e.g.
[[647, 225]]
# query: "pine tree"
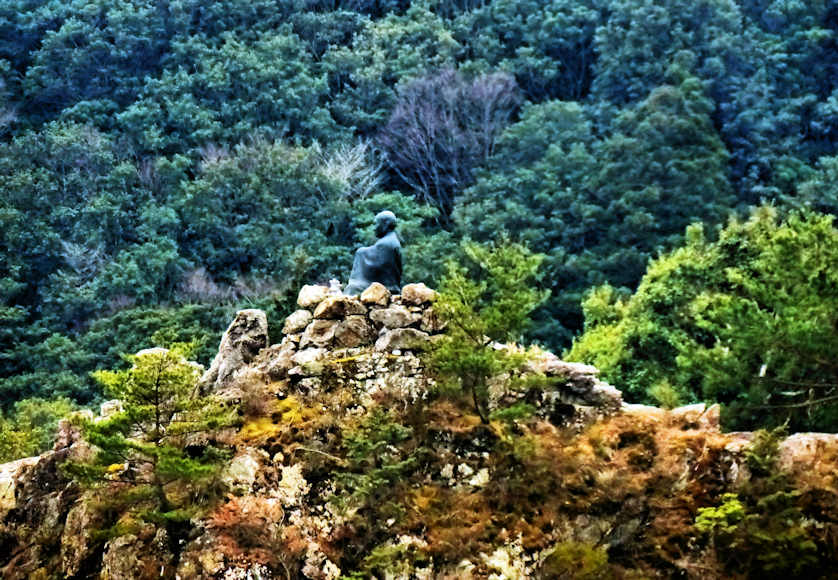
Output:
[[485, 305], [151, 458]]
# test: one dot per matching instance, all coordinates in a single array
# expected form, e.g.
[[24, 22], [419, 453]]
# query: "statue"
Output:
[[381, 262]]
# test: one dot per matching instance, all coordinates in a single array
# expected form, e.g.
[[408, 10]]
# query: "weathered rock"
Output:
[[308, 362], [376, 295], [244, 338], [698, 416], [808, 451], [310, 296], [276, 359], [402, 339], [396, 316], [145, 555], [319, 333], [339, 307], [417, 294], [110, 408], [354, 331], [308, 355], [431, 322], [9, 480], [77, 537], [581, 382], [296, 322], [240, 475]]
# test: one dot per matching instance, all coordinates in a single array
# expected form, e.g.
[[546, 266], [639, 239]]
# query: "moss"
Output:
[[576, 561]]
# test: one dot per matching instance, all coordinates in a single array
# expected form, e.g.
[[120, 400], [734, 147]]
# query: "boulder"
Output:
[[9, 481], [277, 359], [699, 416], [110, 408], [402, 339], [354, 331], [240, 474], [77, 538], [396, 316], [308, 356], [296, 322], [809, 451], [311, 295], [431, 322], [242, 341], [339, 307], [319, 333], [144, 555], [417, 294], [376, 295]]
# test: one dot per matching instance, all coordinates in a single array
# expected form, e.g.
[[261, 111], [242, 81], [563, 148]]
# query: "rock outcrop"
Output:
[[246, 336], [347, 461]]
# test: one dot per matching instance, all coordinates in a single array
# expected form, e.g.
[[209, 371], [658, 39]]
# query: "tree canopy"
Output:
[[162, 164]]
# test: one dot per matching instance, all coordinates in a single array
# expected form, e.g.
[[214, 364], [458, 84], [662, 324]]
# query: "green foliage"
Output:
[[486, 302], [577, 560], [142, 458], [164, 156], [376, 461], [243, 214], [599, 209], [721, 521], [764, 532], [30, 426], [747, 320]]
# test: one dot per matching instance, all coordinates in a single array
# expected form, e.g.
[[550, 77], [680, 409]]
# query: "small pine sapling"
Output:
[[485, 303], [152, 458]]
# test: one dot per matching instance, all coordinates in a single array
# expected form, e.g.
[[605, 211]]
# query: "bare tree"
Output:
[[442, 127], [354, 167]]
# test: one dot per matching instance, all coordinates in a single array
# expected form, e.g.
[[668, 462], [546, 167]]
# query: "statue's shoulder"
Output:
[[391, 239]]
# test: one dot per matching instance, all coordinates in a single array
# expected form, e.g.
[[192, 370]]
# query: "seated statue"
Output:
[[381, 262]]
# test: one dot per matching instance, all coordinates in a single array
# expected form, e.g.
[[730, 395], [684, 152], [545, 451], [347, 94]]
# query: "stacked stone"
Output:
[[404, 321], [362, 339]]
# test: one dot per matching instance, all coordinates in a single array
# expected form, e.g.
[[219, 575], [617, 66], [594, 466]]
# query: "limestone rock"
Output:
[[402, 339], [396, 316], [276, 359], [417, 294], [431, 322], [242, 341], [240, 475], [296, 322], [319, 333], [339, 307], [311, 295], [145, 555], [699, 416], [376, 295], [77, 537], [354, 331]]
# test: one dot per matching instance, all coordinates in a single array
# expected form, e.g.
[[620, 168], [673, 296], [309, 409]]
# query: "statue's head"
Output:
[[385, 222]]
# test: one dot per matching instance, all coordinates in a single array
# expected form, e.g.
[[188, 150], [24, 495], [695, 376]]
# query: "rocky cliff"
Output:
[[349, 461]]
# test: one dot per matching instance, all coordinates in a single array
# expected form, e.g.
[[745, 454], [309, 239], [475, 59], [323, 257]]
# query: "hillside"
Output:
[[165, 164], [346, 461]]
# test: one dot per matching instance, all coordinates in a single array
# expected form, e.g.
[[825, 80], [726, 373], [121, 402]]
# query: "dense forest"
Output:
[[163, 163]]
